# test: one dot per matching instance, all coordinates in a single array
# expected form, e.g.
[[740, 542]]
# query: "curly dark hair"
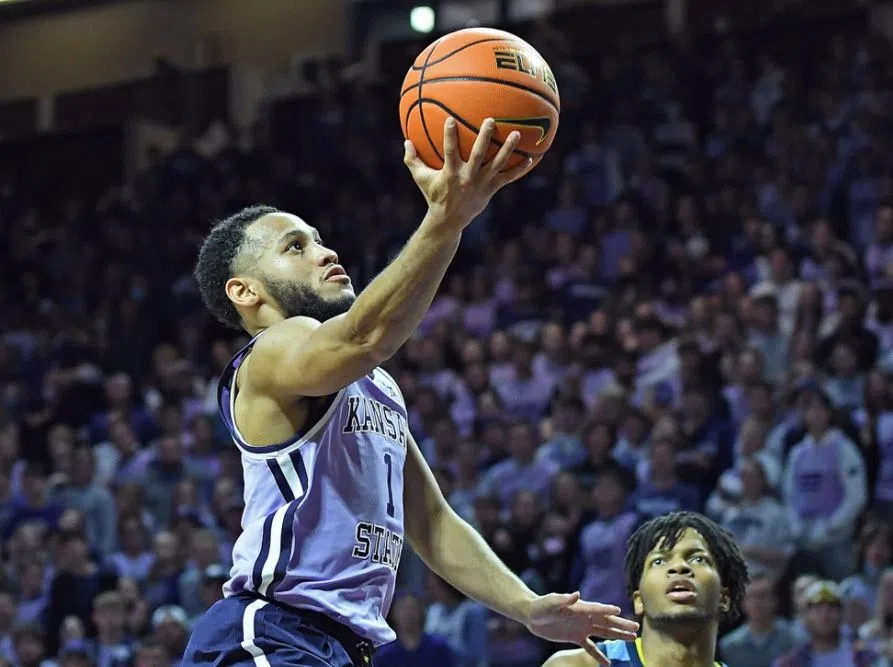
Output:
[[667, 529], [221, 250]]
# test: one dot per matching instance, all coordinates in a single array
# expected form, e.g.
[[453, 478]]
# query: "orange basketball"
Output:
[[473, 75]]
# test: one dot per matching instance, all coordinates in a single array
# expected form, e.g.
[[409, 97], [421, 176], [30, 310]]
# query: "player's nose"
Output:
[[679, 566], [328, 256]]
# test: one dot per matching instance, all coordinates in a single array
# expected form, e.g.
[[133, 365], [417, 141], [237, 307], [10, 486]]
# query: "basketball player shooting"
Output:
[[684, 574], [334, 481]]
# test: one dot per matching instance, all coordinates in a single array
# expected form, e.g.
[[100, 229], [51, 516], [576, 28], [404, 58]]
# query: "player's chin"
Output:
[[683, 613], [337, 289]]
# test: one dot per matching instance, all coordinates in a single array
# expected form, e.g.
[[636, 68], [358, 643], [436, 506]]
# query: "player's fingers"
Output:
[[505, 152], [614, 627], [599, 609], [481, 145], [620, 623], [409, 154], [590, 647], [512, 173], [451, 159], [411, 160]]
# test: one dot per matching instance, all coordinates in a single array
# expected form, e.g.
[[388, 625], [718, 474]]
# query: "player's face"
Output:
[[298, 273], [680, 584]]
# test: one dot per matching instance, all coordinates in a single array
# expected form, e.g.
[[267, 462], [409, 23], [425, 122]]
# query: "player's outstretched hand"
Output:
[[565, 618], [460, 190]]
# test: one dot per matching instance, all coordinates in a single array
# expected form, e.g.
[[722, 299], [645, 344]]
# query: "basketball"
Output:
[[472, 75]]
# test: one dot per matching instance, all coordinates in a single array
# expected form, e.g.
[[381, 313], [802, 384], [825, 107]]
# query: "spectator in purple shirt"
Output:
[[553, 361], [662, 492], [133, 560], [121, 458], [479, 315], [565, 446], [599, 570], [119, 400], [34, 506], [447, 383], [522, 470], [524, 393]]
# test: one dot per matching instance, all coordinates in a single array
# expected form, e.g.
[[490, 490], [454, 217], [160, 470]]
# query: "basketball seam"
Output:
[[466, 124], [421, 108], [452, 53], [487, 79]]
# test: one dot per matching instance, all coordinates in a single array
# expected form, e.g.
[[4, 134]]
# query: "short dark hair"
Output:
[[217, 258], [667, 529]]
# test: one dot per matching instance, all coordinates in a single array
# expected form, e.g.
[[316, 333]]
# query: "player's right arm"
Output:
[[303, 357]]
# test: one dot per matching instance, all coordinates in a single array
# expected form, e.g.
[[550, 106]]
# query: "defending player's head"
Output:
[[683, 570], [262, 265]]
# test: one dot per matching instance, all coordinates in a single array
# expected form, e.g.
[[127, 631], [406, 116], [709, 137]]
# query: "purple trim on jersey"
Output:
[[279, 475], [224, 401], [286, 547], [298, 463], [257, 572]]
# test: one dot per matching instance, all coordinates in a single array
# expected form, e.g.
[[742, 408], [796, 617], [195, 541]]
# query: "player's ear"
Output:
[[725, 601], [241, 292], [638, 607]]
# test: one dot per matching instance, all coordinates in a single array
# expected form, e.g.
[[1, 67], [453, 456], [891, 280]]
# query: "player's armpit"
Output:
[[303, 357]]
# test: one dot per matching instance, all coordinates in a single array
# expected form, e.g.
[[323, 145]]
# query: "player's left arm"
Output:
[[452, 548], [457, 553]]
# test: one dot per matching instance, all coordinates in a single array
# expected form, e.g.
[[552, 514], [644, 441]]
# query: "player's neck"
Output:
[[262, 318], [693, 645]]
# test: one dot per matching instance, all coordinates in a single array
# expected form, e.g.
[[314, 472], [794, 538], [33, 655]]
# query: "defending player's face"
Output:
[[680, 583], [300, 274]]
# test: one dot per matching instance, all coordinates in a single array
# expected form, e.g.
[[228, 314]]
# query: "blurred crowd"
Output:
[[687, 305]]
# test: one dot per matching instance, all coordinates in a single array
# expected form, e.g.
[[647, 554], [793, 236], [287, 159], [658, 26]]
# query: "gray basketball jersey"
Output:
[[322, 527]]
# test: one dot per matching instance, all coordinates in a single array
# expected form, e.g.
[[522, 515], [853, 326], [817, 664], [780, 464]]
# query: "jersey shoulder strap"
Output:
[[637, 656]]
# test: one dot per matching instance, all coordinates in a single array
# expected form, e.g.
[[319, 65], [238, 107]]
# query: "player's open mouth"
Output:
[[336, 274], [682, 591]]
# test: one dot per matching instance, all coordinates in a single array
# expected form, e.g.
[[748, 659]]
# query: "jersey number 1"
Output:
[[388, 462]]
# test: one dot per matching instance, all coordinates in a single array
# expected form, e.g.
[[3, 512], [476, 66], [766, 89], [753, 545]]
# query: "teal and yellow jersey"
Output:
[[627, 654]]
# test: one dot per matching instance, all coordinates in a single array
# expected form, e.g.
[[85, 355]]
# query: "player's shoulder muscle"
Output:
[[572, 658], [276, 341], [272, 349]]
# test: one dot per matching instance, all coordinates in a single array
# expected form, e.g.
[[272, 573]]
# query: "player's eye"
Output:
[[700, 559], [657, 561]]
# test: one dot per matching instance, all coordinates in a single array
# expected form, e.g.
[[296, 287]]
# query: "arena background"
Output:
[[689, 304]]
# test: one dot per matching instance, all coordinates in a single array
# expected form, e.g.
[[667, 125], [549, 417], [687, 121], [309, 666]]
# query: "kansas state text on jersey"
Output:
[[323, 522], [627, 654]]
